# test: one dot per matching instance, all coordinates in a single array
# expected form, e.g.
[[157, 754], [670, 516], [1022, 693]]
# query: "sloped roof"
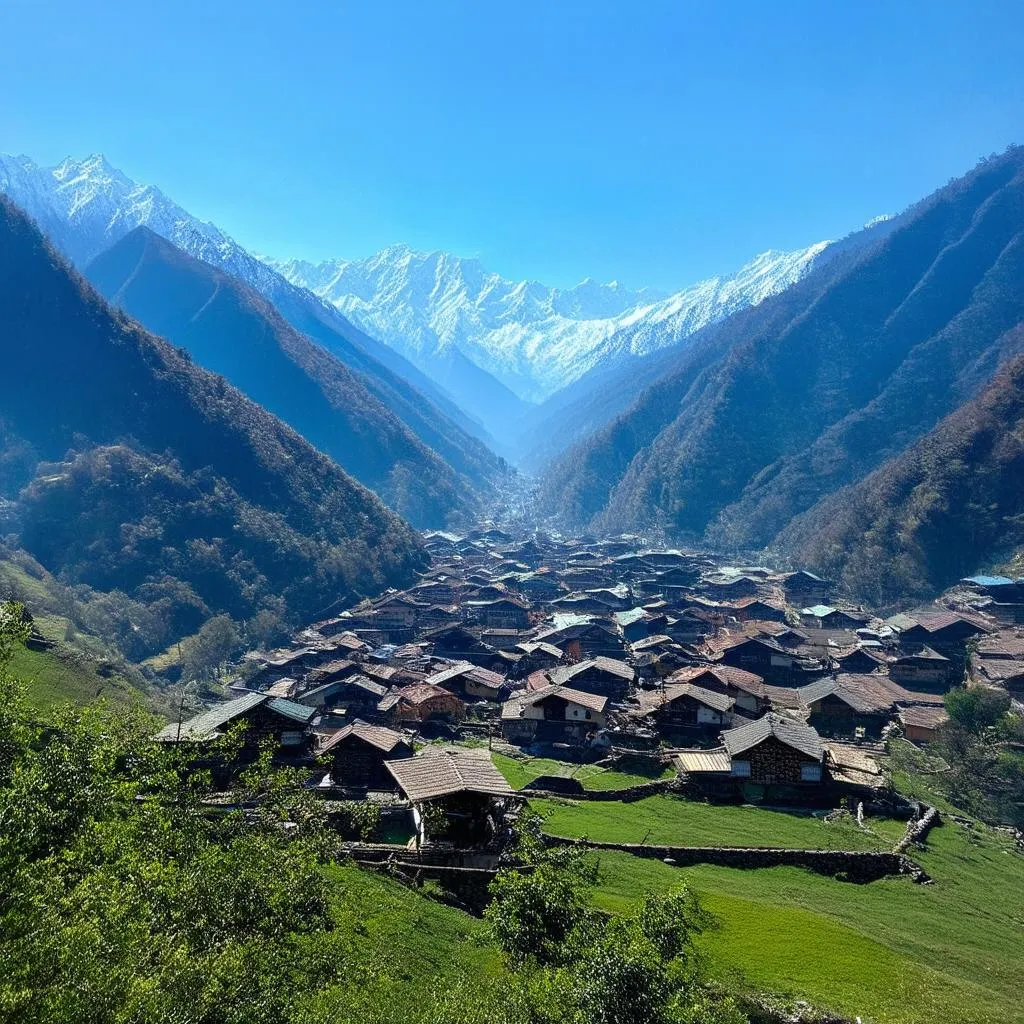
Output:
[[209, 724], [818, 611], [651, 700], [566, 673], [514, 707], [658, 640], [282, 687], [437, 773], [800, 737], [629, 617], [923, 652], [291, 709], [420, 693], [534, 645], [727, 675], [924, 718], [867, 693], [446, 675], [377, 736], [715, 761]]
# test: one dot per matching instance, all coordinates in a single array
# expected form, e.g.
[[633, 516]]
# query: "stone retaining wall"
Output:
[[918, 829], [845, 865]]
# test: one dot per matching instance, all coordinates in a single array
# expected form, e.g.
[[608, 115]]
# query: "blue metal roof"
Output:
[[989, 581]]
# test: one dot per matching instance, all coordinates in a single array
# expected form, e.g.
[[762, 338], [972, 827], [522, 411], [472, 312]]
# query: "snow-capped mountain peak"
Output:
[[430, 306], [533, 338]]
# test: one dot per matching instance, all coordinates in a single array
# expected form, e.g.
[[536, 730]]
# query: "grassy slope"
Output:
[[405, 950], [890, 951], [53, 679], [521, 772], [671, 821]]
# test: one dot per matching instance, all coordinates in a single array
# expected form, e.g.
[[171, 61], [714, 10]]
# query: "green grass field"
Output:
[[403, 950], [52, 679], [521, 772], [672, 821], [891, 951]]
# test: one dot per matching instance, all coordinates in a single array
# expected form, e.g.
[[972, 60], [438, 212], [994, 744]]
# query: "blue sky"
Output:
[[652, 142]]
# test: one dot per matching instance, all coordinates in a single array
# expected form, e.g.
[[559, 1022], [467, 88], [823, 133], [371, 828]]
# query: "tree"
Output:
[[123, 898], [534, 910], [572, 965], [205, 652], [977, 708]]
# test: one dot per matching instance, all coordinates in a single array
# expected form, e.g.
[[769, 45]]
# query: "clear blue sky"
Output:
[[653, 142]]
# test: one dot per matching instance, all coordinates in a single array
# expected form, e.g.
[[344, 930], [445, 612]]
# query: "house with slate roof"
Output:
[[682, 709], [261, 717], [772, 758], [553, 714], [358, 754], [457, 795]]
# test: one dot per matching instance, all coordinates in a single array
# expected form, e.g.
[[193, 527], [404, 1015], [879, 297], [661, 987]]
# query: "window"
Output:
[[587, 715], [810, 773], [741, 768]]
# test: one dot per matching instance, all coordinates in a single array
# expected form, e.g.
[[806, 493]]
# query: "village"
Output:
[[729, 685]]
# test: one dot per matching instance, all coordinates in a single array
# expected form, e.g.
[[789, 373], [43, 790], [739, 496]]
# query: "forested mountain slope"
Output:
[[783, 403], [85, 206], [949, 505], [135, 472], [229, 329]]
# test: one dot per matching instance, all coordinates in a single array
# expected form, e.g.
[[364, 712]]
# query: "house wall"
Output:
[[358, 763], [772, 761]]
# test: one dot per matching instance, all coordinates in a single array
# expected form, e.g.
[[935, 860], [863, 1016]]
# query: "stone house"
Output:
[[770, 751], [606, 676], [358, 754], [552, 714]]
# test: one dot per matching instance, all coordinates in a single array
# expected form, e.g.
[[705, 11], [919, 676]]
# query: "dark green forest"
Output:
[[784, 403], [936, 513], [128, 468]]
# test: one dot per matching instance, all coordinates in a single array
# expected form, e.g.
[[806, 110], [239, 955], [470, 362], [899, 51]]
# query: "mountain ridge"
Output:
[[534, 338], [769, 410], [86, 206], [159, 484], [228, 328]]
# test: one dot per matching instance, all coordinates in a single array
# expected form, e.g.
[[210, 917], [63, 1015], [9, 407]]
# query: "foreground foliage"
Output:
[[574, 965]]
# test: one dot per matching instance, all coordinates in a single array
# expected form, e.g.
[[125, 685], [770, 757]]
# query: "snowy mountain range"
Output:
[[491, 343], [533, 338], [85, 206]]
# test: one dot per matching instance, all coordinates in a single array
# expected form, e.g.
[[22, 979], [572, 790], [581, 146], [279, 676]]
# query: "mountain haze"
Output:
[[783, 403], [230, 329], [534, 339], [127, 469], [85, 206]]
